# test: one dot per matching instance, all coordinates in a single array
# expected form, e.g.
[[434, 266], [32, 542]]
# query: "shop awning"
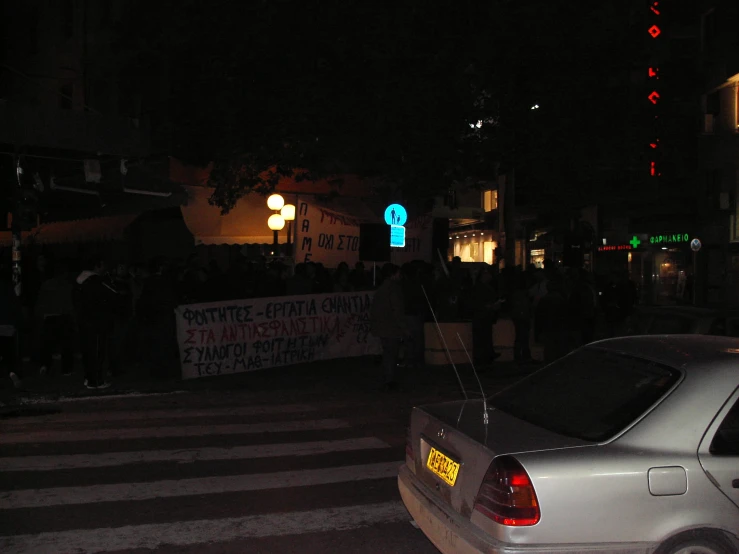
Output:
[[80, 231], [246, 223], [99, 229]]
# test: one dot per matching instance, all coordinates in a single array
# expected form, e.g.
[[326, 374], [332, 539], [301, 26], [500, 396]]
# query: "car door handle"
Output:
[[735, 483]]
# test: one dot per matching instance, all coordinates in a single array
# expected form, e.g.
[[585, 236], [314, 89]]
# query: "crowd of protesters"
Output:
[[560, 307], [115, 316]]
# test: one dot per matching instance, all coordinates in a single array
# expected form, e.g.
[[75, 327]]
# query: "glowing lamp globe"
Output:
[[275, 202], [288, 212], [276, 222]]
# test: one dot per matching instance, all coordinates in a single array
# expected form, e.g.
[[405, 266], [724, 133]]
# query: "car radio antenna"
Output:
[[485, 418], [443, 341]]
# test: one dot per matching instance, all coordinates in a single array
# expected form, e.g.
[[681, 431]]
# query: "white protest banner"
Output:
[[330, 237], [235, 336], [326, 236]]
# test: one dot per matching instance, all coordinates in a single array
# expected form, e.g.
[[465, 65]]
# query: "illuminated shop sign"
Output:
[[656, 240], [679, 238], [614, 247]]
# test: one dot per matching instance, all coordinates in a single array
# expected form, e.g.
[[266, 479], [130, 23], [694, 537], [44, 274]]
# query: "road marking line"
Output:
[[122, 492], [186, 533], [161, 432], [112, 459], [174, 413], [97, 398]]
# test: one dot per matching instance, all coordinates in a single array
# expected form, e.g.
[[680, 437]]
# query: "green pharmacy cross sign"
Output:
[[635, 242]]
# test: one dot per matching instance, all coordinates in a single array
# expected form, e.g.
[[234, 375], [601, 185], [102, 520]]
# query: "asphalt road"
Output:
[[206, 472]]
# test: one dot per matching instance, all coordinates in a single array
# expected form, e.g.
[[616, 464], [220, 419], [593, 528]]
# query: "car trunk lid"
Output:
[[462, 447]]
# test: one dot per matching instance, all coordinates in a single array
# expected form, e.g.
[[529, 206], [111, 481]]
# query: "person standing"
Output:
[[583, 303], [484, 316], [415, 315], [553, 317], [521, 313], [55, 317], [156, 310], [388, 323], [11, 319], [94, 302], [120, 282]]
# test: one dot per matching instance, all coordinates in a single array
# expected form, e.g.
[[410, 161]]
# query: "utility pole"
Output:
[[509, 219], [24, 218], [15, 229]]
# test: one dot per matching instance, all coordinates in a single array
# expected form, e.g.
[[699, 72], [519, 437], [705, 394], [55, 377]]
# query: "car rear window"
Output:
[[726, 441], [592, 394], [671, 325]]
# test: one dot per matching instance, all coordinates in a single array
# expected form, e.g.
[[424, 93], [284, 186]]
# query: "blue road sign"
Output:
[[395, 214], [397, 236]]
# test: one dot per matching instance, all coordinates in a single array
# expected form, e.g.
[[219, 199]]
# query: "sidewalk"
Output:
[[327, 379]]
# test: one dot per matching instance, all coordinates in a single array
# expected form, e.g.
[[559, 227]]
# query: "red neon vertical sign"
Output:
[[653, 93]]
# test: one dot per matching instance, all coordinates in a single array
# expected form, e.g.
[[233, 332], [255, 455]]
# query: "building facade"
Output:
[[718, 260], [70, 115]]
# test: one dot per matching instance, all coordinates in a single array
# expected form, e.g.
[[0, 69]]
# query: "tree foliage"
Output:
[[390, 90]]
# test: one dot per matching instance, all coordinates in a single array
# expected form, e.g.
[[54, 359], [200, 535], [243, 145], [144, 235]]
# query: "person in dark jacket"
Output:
[[415, 314], [552, 315], [120, 281], [55, 318], [156, 314], [94, 302], [484, 315], [11, 318], [521, 312], [387, 321]]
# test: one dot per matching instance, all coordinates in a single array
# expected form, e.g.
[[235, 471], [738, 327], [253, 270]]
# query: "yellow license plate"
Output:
[[443, 466]]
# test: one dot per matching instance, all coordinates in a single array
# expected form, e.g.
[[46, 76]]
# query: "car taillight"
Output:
[[507, 495], [409, 445]]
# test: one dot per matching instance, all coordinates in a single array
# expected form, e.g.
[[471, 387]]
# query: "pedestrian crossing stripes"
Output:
[[162, 432], [185, 455], [174, 413], [205, 531], [272, 481], [36, 498]]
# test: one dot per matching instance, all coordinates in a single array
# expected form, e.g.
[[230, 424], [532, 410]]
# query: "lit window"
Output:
[[488, 248], [490, 200]]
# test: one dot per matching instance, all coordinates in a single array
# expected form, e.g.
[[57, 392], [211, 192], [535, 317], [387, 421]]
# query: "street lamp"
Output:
[[275, 202], [276, 222], [288, 214]]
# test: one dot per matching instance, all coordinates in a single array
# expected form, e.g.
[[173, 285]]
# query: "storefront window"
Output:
[[490, 200], [669, 276], [474, 248], [537, 257]]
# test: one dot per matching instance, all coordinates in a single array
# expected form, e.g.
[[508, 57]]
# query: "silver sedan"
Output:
[[628, 445]]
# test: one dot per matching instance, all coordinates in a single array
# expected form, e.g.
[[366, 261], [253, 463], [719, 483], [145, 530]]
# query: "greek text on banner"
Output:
[[235, 336]]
